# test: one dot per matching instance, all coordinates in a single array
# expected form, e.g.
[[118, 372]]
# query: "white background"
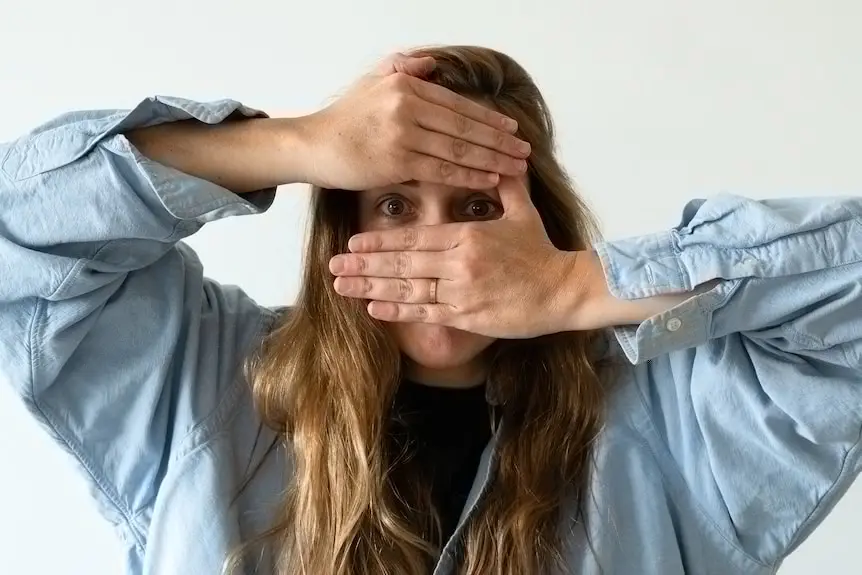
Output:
[[656, 102]]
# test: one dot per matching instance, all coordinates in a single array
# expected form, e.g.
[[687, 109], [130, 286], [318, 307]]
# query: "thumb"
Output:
[[515, 197]]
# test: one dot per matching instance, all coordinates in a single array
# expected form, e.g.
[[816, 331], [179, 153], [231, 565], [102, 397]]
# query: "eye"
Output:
[[483, 209], [394, 207]]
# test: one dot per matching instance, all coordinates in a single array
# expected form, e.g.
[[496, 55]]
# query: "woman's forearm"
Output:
[[589, 304], [242, 156]]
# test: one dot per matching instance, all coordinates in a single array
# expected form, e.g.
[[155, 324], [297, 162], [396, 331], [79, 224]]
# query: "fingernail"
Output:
[[524, 147], [510, 124], [336, 264], [521, 165]]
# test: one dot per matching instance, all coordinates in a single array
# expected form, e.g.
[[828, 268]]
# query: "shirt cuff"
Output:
[[652, 265], [209, 202], [60, 143]]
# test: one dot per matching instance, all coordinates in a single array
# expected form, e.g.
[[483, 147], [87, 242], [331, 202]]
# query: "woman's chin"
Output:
[[435, 347]]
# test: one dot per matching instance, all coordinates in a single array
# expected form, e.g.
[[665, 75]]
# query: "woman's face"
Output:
[[437, 354]]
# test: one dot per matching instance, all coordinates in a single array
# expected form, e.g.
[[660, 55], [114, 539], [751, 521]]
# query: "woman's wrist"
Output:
[[292, 147], [587, 303], [583, 294]]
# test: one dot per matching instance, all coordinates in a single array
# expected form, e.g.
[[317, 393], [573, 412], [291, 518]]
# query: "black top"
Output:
[[446, 431]]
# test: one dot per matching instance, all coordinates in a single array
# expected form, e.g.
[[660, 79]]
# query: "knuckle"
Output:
[[405, 290], [421, 312], [366, 286], [398, 135], [464, 269], [468, 303], [447, 170], [399, 80], [361, 263], [459, 148], [462, 124], [471, 272], [402, 264], [410, 237], [474, 264], [398, 103]]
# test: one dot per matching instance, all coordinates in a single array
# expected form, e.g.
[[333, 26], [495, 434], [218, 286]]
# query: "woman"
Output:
[[469, 382]]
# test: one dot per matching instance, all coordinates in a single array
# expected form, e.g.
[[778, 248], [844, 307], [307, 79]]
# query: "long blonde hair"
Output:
[[326, 376]]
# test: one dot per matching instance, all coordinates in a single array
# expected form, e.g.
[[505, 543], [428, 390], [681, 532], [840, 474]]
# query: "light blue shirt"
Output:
[[732, 430]]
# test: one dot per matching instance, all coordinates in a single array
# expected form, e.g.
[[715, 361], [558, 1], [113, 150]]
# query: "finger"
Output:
[[464, 106], [514, 196], [391, 265], [423, 238], [464, 153], [389, 64], [453, 123], [416, 67], [424, 168], [413, 313], [387, 289]]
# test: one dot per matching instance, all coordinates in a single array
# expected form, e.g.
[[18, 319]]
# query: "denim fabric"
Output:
[[732, 430]]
